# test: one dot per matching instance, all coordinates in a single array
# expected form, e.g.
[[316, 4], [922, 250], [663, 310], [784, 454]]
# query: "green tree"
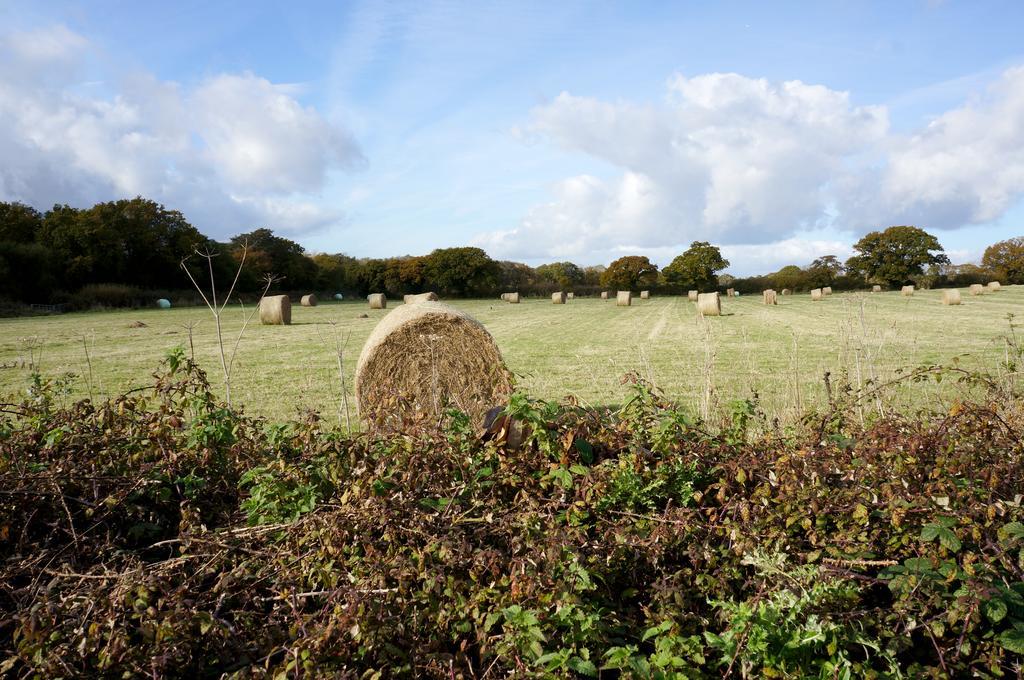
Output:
[[629, 273], [1005, 260], [274, 255], [19, 223], [790, 276], [561, 274], [824, 271], [461, 271], [896, 255], [697, 268]]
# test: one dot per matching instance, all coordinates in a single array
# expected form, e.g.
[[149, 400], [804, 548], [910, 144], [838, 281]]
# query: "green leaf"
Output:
[[583, 666], [995, 610], [929, 532], [1013, 640], [949, 540], [1011, 531]]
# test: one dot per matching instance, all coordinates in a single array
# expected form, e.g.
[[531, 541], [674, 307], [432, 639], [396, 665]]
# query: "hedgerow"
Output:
[[164, 534]]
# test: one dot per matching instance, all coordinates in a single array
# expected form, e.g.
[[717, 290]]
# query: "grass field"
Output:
[[582, 348]]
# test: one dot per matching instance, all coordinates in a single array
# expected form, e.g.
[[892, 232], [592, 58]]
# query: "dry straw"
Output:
[[770, 297], [570, 296], [425, 358], [816, 294], [645, 294], [377, 301], [624, 298], [977, 289], [709, 304], [876, 288], [412, 299], [994, 286], [729, 292], [827, 290], [558, 298], [950, 296], [907, 291], [692, 295], [309, 300], [275, 310], [511, 298], [787, 291], [604, 295]]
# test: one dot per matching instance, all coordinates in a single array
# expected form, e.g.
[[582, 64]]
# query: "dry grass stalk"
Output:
[[692, 295], [816, 294], [770, 297], [950, 296], [645, 294], [624, 298], [977, 289], [377, 301], [558, 298], [309, 300], [709, 304], [411, 299], [907, 291], [425, 358], [275, 310]]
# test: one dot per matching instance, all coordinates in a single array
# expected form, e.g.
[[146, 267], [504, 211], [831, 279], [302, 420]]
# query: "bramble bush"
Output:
[[162, 533]]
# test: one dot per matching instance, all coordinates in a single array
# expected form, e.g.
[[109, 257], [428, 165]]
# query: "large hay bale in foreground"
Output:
[[604, 295], [770, 297], [411, 299], [558, 298], [645, 294], [424, 358], [624, 298], [309, 300], [994, 286], [709, 304], [950, 296], [907, 291], [876, 288], [275, 310], [163, 303], [692, 295], [816, 294], [827, 290], [377, 301], [976, 289]]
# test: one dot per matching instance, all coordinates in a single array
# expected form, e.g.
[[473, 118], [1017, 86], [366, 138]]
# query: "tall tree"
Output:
[[896, 255], [824, 271], [1006, 260], [697, 268], [19, 223], [561, 274], [629, 273], [462, 271], [275, 255]]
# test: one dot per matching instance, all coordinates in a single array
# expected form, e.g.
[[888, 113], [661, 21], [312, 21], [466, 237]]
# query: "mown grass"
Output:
[[582, 348]]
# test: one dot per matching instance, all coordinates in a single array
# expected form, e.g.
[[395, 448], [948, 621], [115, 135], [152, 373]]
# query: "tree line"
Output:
[[94, 255]]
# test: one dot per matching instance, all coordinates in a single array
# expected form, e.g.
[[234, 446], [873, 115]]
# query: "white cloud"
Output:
[[742, 162], [234, 152]]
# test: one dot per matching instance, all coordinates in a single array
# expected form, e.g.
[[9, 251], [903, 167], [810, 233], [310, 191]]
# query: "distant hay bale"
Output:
[[424, 358], [827, 290], [604, 295], [163, 303], [645, 294], [876, 288], [412, 299], [309, 300], [950, 296], [787, 291], [692, 295], [558, 298], [511, 298], [729, 292], [624, 298], [570, 296], [907, 291], [275, 310], [339, 296], [976, 289], [816, 294], [709, 304], [377, 301], [994, 286], [770, 297], [137, 324]]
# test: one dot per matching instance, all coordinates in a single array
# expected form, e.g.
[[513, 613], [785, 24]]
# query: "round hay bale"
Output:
[[420, 297], [275, 310], [729, 292], [339, 296], [876, 288], [994, 286], [645, 294], [950, 296], [377, 301], [504, 297], [163, 303], [827, 290], [770, 297], [692, 295], [623, 298], [422, 359], [709, 304], [787, 291], [907, 291], [604, 295], [570, 296], [558, 298], [976, 289], [512, 298], [816, 294], [309, 300]]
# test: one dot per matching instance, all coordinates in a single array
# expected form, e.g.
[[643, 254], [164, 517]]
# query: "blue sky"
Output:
[[539, 131]]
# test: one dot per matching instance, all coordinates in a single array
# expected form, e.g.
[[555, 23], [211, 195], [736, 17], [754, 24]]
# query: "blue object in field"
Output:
[[339, 296], [163, 303]]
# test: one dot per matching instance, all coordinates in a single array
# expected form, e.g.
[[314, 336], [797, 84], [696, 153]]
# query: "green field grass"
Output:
[[582, 348]]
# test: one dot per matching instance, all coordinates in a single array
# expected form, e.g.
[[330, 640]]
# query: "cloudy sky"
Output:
[[555, 130]]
